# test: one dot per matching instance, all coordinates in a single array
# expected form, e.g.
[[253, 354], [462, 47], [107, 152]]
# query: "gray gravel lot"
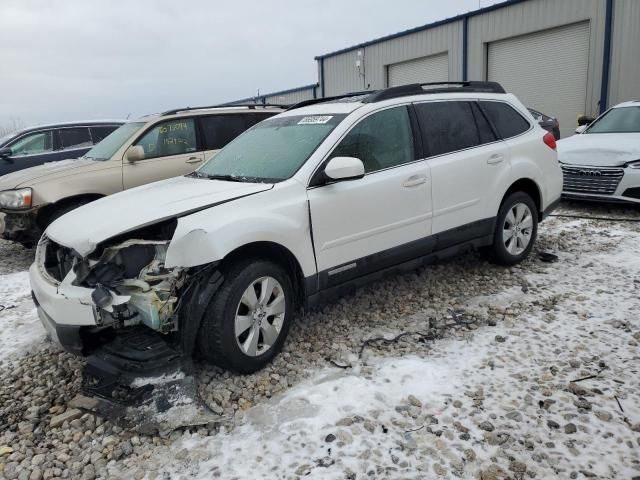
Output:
[[35, 389]]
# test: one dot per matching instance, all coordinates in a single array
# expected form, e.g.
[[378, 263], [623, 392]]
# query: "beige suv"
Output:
[[153, 148]]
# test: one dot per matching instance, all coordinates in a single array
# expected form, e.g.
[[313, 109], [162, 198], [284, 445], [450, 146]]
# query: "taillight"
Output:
[[549, 140]]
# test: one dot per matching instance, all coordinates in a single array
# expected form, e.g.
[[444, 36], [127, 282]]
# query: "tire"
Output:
[[239, 337], [518, 215], [60, 211]]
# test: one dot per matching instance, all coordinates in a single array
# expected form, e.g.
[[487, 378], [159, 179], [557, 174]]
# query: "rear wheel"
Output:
[[248, 319], [516, 229]]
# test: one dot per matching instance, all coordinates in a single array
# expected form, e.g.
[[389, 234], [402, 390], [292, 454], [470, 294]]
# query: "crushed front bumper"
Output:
[[20, 226]]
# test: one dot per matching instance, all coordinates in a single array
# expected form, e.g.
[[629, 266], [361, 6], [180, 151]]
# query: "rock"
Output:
[[38, 460], [36, 474], [469, 455], [635, 427], [515, 416], [4, 450], [439, 469], [67, 416], [583, 403], [486, 426], [604, 416], [414, 401], [344, 436], [553, 424], [330, 438], [303, 470], [500, 339], [517, 467], [344, 422], [570, 428]]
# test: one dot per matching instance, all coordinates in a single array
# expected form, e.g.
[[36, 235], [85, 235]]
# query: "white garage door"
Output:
[[546, 70], [434, 68]]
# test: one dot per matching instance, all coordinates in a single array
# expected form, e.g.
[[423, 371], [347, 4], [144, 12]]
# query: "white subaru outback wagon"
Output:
[[301, 207]]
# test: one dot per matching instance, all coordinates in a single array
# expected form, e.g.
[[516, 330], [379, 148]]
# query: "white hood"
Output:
[[600, 149], [82, 229]]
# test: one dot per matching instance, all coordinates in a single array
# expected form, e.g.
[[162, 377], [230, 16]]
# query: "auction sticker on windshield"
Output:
[[315, 120]]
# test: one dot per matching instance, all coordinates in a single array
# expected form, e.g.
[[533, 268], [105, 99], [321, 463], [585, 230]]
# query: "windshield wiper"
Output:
[[228, 178]]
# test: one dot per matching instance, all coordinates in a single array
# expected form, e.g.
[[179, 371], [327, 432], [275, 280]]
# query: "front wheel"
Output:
[[248, 319], [516, 229]]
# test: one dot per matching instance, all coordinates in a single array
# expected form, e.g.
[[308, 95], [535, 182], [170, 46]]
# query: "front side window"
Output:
[[71, 138], [617, 120], [272, 150], [174, 137], [447, 126], [507, 121], [33, 144], [382, 140]]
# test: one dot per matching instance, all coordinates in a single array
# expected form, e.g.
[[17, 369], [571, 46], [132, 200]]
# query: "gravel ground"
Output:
[[487, 394]]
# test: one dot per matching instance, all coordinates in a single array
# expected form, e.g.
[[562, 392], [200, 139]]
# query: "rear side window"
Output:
[[505, 119], [382, 140], [74, 138], [447, 126], [98, 133], [219, 130], [485, 131]]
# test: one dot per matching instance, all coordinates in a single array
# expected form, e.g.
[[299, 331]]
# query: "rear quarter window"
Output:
[[506, 120]]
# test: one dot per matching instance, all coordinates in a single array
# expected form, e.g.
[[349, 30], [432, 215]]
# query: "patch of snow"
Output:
[[20, 328]]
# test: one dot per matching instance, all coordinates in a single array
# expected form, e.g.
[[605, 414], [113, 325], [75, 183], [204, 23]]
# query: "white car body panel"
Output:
[[600, 149]]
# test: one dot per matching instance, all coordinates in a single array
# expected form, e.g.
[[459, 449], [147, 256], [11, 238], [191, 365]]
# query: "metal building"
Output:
[[562, 57]]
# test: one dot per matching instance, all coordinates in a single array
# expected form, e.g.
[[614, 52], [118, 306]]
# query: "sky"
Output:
[[71, 60]]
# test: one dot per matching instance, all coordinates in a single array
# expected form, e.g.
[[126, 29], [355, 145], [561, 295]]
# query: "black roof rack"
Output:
[[372, 96], [447, 87], [313, 101], [249, 105]]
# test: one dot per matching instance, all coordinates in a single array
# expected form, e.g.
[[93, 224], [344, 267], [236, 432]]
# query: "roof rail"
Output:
[[251, 106], [313, 101], [448, 87]]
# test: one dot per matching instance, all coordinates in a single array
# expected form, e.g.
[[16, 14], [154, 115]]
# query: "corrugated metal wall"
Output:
[[533, 16], [342, 75], [624, 77], [289, 98]]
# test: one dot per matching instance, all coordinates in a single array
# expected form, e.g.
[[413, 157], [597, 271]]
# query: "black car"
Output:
[[550, 124], [49, 143]]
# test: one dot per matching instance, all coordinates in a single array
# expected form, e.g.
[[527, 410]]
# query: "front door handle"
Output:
[[414, 181], [495, 158], [194, 160]]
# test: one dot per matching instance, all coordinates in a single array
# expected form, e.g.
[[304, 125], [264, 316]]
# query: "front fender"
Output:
[[209, 236]]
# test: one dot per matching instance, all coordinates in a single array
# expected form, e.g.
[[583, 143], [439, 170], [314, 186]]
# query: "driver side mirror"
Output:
[[581, 128], [5, 152], [134, 154], [344, 168]]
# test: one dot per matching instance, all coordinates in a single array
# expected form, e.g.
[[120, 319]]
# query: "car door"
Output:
[[364, 225], [170, 149], [29, 150], [469, 167]]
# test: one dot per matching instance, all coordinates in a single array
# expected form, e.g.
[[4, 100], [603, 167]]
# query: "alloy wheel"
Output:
[[517, 229], [260, 316]]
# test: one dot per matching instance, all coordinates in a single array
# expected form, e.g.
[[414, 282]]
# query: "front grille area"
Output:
[[56, 259], [593, 180]]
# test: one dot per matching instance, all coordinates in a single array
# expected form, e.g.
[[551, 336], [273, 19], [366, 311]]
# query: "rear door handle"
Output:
[[496, 158], [414, 181], [194, 160]]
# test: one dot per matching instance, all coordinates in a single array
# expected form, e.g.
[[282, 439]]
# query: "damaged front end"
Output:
[[127, 278], [146, 317]]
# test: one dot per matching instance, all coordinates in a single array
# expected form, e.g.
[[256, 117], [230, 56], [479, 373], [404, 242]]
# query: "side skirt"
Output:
[[401, 259]]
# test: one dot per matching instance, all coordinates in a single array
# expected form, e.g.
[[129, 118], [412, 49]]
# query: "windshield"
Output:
[[617, 120], [112, 142], [271, 151]]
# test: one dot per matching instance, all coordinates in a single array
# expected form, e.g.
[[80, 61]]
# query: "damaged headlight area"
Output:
[[127, 275]]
